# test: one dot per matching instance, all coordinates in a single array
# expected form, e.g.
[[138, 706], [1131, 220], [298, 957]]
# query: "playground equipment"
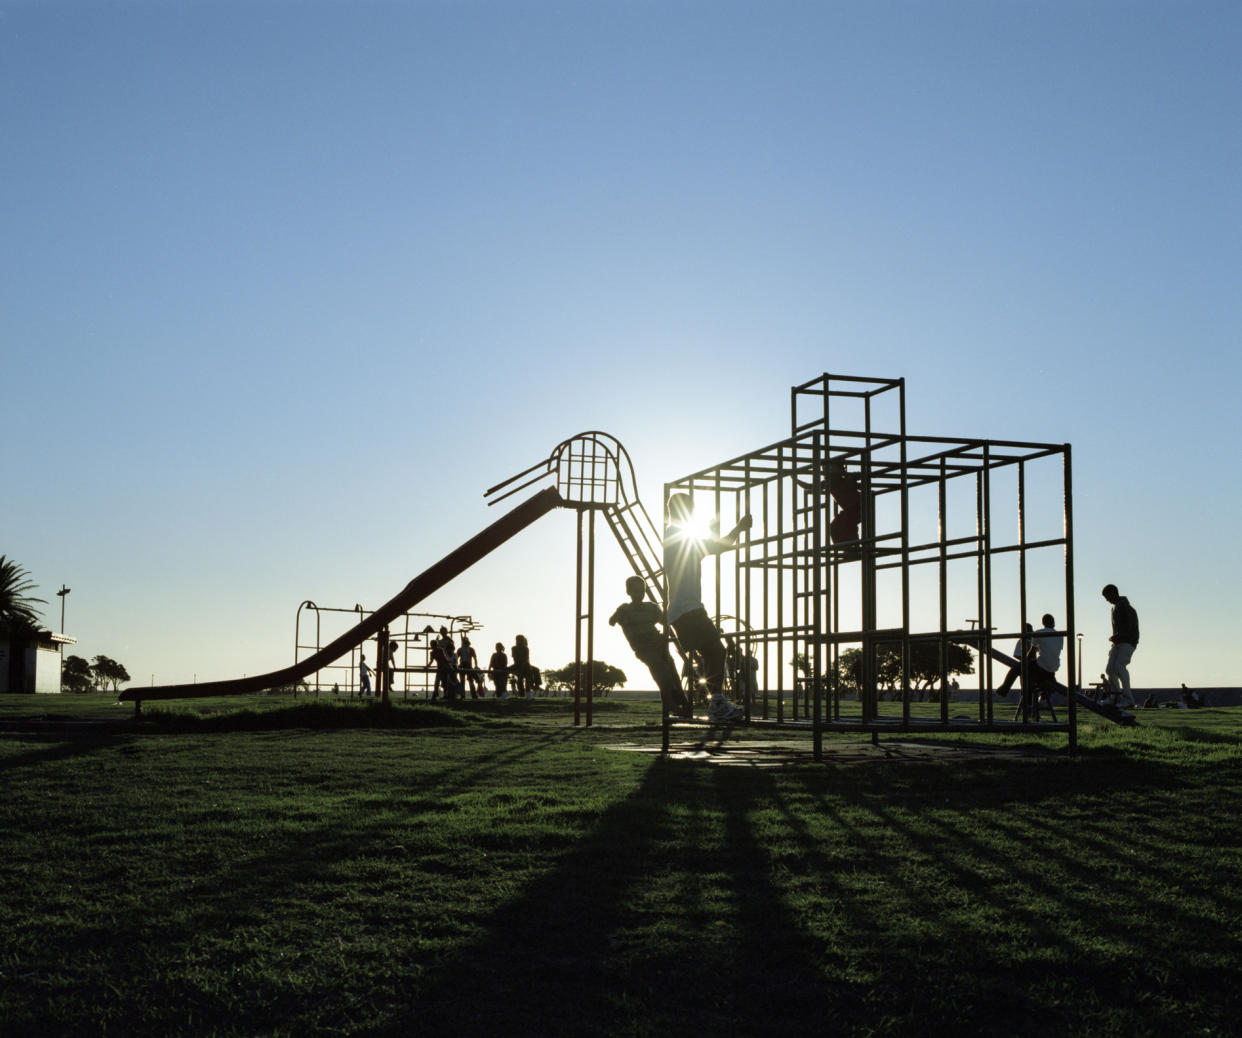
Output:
[[408, 633], [426, 583], [868, 543], [593, 475]]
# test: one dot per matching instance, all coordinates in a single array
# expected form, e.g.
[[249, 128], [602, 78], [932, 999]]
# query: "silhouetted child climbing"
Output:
[[844, 487], [638, 620]]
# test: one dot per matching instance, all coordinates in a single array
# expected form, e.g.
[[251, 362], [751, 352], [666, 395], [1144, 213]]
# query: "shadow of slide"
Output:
[[639, 929]]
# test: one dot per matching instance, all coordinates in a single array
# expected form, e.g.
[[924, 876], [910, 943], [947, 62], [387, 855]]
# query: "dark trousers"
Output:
[[697, 633]]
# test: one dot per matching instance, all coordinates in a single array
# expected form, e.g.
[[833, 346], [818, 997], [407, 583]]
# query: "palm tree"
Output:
[[17, 606]]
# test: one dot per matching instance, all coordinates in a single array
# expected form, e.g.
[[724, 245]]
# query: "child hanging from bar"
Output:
[[846, 491], [638, 620]]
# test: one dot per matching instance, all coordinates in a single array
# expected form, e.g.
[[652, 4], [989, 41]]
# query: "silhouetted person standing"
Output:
[[468, 667], [445, 642], [498, 668], [684, 552], [1125, 640], [520, 668], [390, 669]]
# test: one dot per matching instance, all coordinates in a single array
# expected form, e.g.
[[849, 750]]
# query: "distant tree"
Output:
[[849, 669], [107, 672], [924, 664], [75, 675], [604, 678], [17, 605]]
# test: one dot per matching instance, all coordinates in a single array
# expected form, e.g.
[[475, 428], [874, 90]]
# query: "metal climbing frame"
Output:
[[414, 661], [952, 544]]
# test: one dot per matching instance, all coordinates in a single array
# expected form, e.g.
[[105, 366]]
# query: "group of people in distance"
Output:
[[525, 677], [455, 671], [1042, 652], [458, 671]]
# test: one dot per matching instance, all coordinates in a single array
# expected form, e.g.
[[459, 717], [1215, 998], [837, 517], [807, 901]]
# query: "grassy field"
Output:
[[271, 868]]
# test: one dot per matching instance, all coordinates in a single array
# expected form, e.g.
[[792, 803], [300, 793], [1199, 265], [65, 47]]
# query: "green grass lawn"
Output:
[[265, 867]]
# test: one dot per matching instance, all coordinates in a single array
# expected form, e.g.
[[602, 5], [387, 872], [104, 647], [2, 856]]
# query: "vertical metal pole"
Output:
[[780, 585], [318, 646], [871, 706], [578, 628], [590, 617], [381, 677], [944, 591], [297, 633], [1022, 614], [768, 550], [905, 560], [818, 558], [1070, 619], [745, 646], [984, 519]]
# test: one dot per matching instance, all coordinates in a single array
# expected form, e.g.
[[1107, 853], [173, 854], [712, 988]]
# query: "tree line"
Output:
[[102, 674], [925, 667]]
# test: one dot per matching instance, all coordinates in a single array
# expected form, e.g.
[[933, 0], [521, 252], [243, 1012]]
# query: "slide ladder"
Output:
[[640, 543]]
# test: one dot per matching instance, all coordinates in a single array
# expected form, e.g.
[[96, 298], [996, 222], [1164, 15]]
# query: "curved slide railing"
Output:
[[593, 470], [426, 583]]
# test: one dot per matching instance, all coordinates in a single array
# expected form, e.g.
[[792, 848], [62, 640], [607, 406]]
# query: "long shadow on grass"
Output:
[[954, 903], [663, 915], [968, 889], [60, 747]]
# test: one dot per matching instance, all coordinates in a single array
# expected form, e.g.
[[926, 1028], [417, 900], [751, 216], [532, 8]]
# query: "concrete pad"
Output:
[[776, 754]]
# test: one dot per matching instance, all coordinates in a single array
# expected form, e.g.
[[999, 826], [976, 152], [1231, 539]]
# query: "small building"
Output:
[[31, 662]]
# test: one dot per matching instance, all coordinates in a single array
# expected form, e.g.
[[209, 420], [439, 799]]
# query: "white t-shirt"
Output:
[[683, 559], [1048, 649]]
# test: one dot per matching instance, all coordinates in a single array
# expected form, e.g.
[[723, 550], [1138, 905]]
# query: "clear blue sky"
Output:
[[285, 286]]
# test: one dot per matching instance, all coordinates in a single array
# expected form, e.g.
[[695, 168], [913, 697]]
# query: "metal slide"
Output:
[[426, 583]]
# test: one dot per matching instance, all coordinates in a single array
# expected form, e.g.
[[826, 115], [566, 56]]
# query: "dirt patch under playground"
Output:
[[777, 754]]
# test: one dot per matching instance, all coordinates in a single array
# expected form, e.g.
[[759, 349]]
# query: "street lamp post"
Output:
[[61, 594]]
